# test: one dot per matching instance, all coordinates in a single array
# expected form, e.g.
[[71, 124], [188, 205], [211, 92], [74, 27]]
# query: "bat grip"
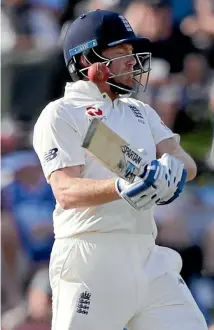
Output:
[[144, 171]]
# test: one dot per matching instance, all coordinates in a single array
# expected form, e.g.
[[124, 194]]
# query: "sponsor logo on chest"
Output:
[[94, 112]]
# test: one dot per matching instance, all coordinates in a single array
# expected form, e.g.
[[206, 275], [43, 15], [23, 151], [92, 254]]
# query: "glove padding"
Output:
[[161, 183], [176, 177], [147, 190]]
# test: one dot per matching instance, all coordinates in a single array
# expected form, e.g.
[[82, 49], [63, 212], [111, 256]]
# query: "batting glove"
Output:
[[176, 175], [147, 190]]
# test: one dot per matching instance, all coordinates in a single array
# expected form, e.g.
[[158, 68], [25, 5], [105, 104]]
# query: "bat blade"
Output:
[[112, 151]]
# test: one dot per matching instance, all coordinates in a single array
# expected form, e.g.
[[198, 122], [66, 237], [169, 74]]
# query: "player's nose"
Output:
[[131, 61]]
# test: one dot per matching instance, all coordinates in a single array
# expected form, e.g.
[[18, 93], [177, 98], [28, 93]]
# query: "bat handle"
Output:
[[142, 175]]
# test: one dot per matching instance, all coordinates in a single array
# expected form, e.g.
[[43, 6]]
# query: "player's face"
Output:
[[121, 65]]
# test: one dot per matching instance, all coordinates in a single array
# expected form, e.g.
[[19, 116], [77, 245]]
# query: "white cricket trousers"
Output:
[[116, 281]]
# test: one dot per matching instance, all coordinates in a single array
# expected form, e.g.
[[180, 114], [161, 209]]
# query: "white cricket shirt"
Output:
[[58, 135]]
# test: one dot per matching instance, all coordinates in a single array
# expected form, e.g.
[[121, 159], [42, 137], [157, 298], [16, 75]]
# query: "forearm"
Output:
[[80, 192], [10, 247], [174, 149], [188, 162]]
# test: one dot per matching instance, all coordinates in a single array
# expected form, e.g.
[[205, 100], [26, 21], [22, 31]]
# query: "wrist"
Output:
[[117, 186]]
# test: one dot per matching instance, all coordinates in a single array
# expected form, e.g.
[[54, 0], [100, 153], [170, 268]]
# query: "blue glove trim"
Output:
[[117, 186], [179, 189], [145, 184]]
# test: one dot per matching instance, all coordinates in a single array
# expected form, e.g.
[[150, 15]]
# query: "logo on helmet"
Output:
[[82, 47], [126, 23]]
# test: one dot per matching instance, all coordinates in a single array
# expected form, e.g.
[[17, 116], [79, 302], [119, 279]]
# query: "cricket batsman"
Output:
[[106, 271]]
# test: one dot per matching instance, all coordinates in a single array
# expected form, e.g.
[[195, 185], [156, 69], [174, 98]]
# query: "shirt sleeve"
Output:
[[159, 130], [57, 141]]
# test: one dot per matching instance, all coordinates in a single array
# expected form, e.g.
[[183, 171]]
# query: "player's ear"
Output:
[[84, 62]]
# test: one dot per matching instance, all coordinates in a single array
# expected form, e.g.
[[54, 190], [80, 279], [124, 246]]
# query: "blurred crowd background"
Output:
[[181, 90]]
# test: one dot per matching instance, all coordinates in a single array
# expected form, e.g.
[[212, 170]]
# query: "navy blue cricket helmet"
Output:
[[97, 30]]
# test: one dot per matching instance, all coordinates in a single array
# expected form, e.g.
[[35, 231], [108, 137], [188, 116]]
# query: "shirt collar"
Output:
[[83, 93]]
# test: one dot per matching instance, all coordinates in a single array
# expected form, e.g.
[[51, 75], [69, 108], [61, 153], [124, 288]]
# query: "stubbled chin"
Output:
[[128, 82]]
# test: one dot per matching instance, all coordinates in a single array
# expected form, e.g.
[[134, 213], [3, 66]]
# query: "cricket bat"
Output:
[[113, 151]]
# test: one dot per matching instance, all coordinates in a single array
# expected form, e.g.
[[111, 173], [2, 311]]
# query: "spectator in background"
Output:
[[211, 107], [10, 284], [211, 155], [32, 326], [36, 22], [181, 9], [60, 73], [200, 27], [193, 92], [183, 100], [29, 201], [202, 285], [8, 36], [211, 100], [44, 17], [11, 136], [104, 4], [153, 19], [18, 13], [187, 226], [161, 92]]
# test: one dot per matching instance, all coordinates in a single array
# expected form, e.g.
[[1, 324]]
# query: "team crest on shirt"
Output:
[[137, 114], [94, 112], [84, 303]]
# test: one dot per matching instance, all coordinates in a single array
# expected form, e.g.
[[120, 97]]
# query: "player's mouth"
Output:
[[129, 77]]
